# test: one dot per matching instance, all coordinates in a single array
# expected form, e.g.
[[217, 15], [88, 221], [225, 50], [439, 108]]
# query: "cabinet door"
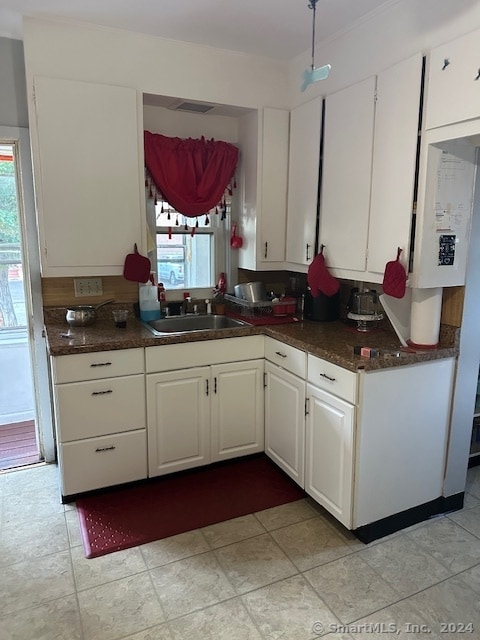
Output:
[[303, 176], [274, 168], [237, 426], [346, 175], [178, 420], [453, 91], [263, 139], [285, 421], [329, 453], [394, 156], [87, 174]]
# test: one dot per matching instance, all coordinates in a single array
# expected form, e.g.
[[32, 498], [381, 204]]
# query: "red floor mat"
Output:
[[126, 517]]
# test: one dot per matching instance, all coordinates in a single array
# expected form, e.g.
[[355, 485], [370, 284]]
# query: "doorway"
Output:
[[25, 418]]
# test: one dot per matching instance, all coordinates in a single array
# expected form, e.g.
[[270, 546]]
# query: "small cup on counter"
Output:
[[120, 317]]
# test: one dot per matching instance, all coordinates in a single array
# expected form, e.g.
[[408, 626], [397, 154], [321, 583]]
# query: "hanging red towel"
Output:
[[320, 279], [395, 278]]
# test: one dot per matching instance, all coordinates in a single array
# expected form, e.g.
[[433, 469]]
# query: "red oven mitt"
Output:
[[320, 279], [395, 278]]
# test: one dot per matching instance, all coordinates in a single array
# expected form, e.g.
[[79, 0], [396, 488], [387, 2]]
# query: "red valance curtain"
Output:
[[191, 174]]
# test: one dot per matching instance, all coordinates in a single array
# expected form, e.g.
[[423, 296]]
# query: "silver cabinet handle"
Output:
[[206, 386], [266, 249], [324, 375], [101, 364], [100, 449], [308, 252], [307, 406], [102, 393], [279, 353]]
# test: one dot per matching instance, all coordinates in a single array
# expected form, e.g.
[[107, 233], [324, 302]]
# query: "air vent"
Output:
[[194, 107]]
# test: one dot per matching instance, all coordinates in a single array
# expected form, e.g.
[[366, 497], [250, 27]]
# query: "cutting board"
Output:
[[398, 311]]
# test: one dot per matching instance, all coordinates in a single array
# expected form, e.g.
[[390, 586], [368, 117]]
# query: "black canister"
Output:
[[322, 308]]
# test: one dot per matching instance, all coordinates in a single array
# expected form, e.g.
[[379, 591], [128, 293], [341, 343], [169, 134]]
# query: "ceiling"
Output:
[[277, 29]]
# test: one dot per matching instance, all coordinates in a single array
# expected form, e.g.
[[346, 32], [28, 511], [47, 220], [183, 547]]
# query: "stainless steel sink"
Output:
[[189, 323]]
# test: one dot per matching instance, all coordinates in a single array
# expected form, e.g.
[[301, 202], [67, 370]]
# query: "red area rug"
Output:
[[126, 517]]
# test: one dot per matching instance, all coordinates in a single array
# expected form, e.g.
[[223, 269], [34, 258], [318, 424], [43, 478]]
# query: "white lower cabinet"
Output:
[[285, 370], [329, 441], [205, 413], [100, 419], [330, 453]]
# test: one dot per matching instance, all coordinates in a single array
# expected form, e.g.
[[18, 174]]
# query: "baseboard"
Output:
[[384, 527]]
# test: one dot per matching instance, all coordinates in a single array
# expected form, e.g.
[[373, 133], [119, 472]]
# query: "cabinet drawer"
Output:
[[103, 462], [332, 378], [287, 357], [100, 407], [198, 354], [101, 364]]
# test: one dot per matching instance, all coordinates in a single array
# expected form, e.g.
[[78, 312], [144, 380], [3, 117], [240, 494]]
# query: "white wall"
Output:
[[13, 94], [152, 65], [189, 125], [468, 365]]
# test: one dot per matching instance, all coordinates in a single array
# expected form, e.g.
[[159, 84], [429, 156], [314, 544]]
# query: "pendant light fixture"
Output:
[[314, 74]]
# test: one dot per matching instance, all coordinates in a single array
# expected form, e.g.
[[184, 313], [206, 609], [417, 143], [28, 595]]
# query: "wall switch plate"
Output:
[[87, 287]]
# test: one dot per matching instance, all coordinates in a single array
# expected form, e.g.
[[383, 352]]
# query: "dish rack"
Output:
[[284, 307]]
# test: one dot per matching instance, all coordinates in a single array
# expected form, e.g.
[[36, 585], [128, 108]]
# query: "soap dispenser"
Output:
[[149, 303]]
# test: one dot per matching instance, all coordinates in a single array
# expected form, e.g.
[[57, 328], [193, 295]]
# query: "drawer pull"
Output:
[[101, 393], [279, 353], [101, 364], [100, 449], [324, 375]]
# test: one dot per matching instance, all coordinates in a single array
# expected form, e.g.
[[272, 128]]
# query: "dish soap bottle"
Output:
[[149, 303]]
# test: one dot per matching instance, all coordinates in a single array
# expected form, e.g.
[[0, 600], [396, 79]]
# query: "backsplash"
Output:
[[58, 292]]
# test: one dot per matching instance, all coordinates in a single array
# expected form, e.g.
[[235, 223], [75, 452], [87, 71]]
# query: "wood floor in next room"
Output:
[[18, 444]]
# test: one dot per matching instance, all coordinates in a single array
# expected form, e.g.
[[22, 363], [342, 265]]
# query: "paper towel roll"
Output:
[[425, 316]]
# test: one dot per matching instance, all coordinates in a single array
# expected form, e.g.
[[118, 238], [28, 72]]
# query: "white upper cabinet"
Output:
[[86, 154], [453, 89], [394, 157], [370, 146], [346, 175], [263, 139], [303, 176]]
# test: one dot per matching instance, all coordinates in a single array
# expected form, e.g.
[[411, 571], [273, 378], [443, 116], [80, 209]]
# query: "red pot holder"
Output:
[[395, 278]]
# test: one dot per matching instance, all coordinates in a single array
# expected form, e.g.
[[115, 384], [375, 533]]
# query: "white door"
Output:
[[329, 453], [88, 183], [285, 421], [304, 167], [237, 409], [24, 388], [178, 419], [346, 175]]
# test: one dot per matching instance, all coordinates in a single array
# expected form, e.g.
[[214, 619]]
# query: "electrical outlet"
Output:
[[87, 287]]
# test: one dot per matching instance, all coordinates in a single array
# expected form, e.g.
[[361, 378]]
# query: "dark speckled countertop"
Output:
[[333, 341]]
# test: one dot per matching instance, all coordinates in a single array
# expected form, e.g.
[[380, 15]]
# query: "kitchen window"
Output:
[[190, 257]]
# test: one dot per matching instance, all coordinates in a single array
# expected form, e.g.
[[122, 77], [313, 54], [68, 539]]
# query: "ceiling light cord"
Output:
[[313, 74], [313, 5]]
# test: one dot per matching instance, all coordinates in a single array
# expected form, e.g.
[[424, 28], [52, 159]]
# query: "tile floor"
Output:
[[289, 572]]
